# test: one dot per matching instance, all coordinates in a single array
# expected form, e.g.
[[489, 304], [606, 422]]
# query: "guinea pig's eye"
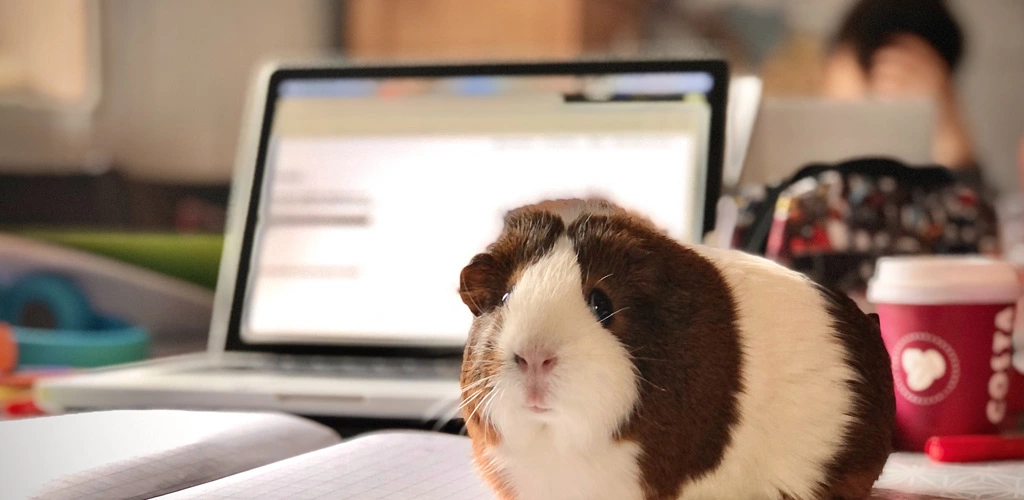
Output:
[[601, 306], [504, 298]]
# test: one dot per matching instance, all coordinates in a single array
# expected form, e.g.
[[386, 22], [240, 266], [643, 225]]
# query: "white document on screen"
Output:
[[366, 236]]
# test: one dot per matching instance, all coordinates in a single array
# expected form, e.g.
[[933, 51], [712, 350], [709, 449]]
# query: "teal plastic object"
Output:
[[54, 325], [64, 304], [113, 341]]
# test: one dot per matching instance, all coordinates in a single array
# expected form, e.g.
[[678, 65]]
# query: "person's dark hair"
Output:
[[871, 24]]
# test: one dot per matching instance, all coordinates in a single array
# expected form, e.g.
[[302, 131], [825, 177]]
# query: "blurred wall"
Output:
[[43, 65], [992, 80], [174, 77], [175, 74], [43, 49]]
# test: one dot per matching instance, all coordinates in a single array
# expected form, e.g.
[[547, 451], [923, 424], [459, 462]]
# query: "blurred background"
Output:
[[127, 112], [119, 118]]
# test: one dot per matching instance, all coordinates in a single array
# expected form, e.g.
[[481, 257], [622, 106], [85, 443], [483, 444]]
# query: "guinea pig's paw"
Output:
[[922, 367]]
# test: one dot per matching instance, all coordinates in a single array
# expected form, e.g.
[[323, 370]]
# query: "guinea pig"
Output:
[[607, 360]]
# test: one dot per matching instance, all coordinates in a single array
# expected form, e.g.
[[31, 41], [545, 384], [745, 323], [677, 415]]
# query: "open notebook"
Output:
[[236, 456], [390, 465], [416, 465]]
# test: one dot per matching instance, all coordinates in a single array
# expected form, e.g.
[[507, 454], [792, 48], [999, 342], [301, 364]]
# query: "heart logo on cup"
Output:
[[923, 368]]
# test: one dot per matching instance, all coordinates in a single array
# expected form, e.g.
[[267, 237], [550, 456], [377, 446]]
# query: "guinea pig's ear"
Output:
[[479, 283]]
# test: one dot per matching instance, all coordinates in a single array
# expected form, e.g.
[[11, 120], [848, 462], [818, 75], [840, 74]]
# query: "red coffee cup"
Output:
[[947, 323]]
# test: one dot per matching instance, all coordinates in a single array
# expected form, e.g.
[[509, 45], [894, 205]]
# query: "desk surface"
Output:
[[913, 475], [896, 495]]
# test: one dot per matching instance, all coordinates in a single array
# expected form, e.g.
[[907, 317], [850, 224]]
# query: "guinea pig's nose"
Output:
[[540, 361]]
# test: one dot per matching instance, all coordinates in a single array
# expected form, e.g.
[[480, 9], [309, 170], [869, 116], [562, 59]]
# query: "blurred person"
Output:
[[903, 49]]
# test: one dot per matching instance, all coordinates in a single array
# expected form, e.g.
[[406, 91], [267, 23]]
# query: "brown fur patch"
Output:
[[478, 363], [678, 319], [526, 237], [869, 442]]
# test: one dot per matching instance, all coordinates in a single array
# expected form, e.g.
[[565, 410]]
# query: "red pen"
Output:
[[22, 408], [974, 448]]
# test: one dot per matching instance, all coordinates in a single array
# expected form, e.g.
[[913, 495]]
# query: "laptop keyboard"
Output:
[[352, 366]]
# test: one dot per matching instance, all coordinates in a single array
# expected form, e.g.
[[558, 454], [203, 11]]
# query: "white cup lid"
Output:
[[922, 280]]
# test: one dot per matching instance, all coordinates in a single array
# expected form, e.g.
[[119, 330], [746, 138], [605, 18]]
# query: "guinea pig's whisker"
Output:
[[439, 415], [477, 388], [477, 407], [632, 354], [447, 418], [641, 377], [480, 382], [638, 349], [616, 312], [487, 406], [609, 275], [470, 419], [438, 408], [641, 358], [467, 421], [476, 394], [470, 400], [462, 283], [587, 222]]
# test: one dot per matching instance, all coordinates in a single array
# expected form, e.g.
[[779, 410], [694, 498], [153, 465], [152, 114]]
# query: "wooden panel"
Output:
[[464, 28], [44, 48], [611, 24]]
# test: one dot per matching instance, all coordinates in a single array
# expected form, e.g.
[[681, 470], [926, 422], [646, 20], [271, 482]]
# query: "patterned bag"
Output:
[[832, 222]]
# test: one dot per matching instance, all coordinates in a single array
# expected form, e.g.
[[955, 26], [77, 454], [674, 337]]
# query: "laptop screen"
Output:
[[376, 191]]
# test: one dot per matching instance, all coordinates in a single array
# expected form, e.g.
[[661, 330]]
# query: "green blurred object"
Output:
[[190, 257]]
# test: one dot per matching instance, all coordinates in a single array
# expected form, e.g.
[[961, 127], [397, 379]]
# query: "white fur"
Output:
[[569, 452], [793, 411]]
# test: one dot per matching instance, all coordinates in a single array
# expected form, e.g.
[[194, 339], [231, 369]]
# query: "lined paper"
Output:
[[392, 465], [421, 465], [127, 455]]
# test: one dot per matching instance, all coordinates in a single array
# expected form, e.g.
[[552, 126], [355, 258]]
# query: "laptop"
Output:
[[361, 192], [790, 133]]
